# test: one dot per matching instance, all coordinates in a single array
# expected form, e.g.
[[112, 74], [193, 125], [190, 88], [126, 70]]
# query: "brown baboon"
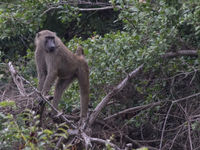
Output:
[[55, 61]]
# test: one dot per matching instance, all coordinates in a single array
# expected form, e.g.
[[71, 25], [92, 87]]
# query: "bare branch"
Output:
[[193, 53], [105, 142], [131, 110], [58, 144], [107, 98], [173, 141], [95, 6], [17, 80], [95, 9], [164, 125], [49, 9], [185, 98], [189, 132], [87, 140], [81, 2]]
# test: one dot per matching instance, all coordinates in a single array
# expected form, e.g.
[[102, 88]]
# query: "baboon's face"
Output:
[[50, 44], [46, 40]]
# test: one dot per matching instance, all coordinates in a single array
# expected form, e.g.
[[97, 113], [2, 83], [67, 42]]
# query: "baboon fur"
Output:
[[62, 65]]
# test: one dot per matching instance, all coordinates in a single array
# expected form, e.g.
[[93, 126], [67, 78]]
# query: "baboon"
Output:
[[55, 61]]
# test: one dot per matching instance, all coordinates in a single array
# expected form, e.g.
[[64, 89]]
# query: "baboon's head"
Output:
[[47, 40]]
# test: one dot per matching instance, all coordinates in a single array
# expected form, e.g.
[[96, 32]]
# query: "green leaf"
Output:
[[7, 103]]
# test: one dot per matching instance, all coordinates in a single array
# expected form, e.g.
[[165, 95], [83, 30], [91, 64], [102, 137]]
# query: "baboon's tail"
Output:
[[79, 51]]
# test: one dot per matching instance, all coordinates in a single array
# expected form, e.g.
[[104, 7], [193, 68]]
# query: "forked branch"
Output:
[[107, 98]]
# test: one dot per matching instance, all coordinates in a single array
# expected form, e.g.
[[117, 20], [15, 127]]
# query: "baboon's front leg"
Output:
[[51, 76], [46, 87]]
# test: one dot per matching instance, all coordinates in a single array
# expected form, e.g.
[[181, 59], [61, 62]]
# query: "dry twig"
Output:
[[131, 110], [164, 125]]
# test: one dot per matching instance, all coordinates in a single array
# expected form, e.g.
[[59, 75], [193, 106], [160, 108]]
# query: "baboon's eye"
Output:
[[50, 37]]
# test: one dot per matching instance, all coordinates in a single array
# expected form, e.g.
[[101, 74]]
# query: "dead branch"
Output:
[[81, 2], [189, 132], [193, 53], [96, 6], [49, 9], [164, 125], [185, 98], [136, 142], [139, 108], [105, 142], [87, 140], [107, 98], [58, 144], [17, 80], [131, 110], [96, 9], [176, 136]]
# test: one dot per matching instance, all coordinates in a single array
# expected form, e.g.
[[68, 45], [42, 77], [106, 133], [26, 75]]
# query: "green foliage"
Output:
[[142, 148], [14, 132], [29, 70], [149, 30], [7, 103], [3, 73], [110, 58], [20, 20], [22, 132]]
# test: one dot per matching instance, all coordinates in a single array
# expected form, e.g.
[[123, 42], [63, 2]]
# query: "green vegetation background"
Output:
[[115, 41]]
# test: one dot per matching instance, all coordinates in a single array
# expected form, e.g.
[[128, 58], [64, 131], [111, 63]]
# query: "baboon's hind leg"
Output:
[[83, 79]]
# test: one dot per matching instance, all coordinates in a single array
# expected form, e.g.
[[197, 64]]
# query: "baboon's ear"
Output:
[[38, 34]]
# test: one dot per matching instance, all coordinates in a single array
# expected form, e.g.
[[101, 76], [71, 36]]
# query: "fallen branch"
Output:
[[17, 80], [107, 98], [131, 110]]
